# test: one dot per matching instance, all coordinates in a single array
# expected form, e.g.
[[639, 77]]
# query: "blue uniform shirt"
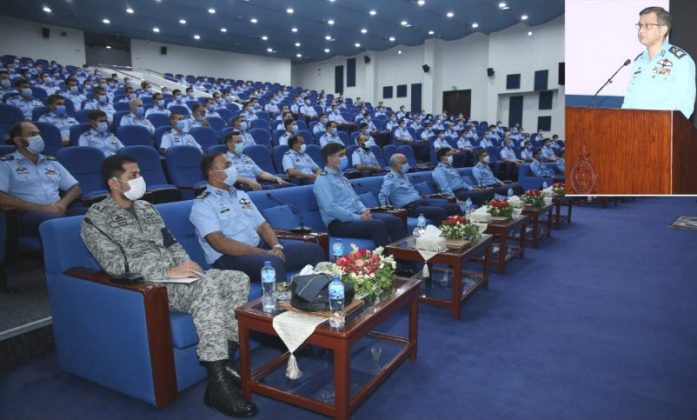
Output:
[[301, 162], [547, 153], [246, 167], [228, 211], [24, 105], [38, 184], [526, 154], [667, 82], [132, 119], [107, 142], [336, 198], [61, 123], [440, 143], [507, 154], [397, 190], [483, 175], [540, 169], [174, 138], [329, 138], [449, 180], [364, 157]]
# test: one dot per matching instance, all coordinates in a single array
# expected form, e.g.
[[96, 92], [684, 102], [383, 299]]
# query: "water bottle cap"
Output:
[[267, 262]]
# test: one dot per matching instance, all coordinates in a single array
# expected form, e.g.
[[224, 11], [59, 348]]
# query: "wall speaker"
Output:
[[562, 74], [45, 32], [426, 68], [366, 59], [163, 50], [490, 72]]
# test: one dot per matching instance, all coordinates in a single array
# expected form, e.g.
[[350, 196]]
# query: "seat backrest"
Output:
[[301, 197], [407, 151], [134, 135], [76, 131], [84, 163], [39, 93], [307, 136], [117, 118], [173, 214], [159, 120], [377, 151], [180, 109], [315, 152], [278, 153], [148, 162], [121, 106], [261, 123], [205, 136], [37, 112], [349, 153], [184, 165], [261, 156], [83, 116], [52, 137], [344, 138], [10, 114], [261, 136], [216, 124], [388, 151]]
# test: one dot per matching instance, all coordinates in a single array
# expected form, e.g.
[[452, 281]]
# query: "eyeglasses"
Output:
[[640, 26]]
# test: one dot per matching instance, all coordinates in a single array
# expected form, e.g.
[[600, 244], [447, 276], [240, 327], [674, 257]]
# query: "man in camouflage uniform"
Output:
[[153, 252]]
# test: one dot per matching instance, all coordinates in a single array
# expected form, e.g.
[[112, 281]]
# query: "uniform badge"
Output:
[[21, 170], [7, 157], [245, 203], [677, 52], [120, 220], [224, 210], [203, 195], [50, 172]]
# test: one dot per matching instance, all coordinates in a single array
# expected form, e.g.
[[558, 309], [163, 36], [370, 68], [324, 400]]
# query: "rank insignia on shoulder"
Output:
[[677, 51], [50, 157], [203, 195], [7, 157], [322, 173]]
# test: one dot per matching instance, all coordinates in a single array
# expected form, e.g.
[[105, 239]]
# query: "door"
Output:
[[458, 101], [416, 97], [339, 80], [515, 111]]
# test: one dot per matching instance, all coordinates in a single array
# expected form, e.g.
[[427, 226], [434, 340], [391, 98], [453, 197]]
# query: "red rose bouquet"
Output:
[[370, 272], [499, 208], [459, 228]]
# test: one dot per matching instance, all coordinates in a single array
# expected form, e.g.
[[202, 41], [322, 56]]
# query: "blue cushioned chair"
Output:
[[84, 163], [158, 189], [134, 135], [216, 124], [180, 109], [205, 136], [260, 155], [261, 123], [121, 106], [184, 169], [52, 137], [278, 153], [528, 180], [6, 149], [9, 116], [37, 112], [261, 136], [159, 120], [117, 118]]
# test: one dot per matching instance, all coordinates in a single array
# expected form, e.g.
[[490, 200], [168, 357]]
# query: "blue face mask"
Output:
[[140, 111], [333, 131], [239, 148], [161, 103], [60, 110], [102, 127], [405, 167], [230, 176], [103, 99], [183, 126], [26, 92], [294, 129], [243, 126], [343, 163]]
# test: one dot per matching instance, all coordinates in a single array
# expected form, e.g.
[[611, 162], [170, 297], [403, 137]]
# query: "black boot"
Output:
[[223, 395], [230, 368]]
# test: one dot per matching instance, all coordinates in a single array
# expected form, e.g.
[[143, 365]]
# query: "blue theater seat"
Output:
[[148, 159], [84, 163], [134, 135], [205, 136]]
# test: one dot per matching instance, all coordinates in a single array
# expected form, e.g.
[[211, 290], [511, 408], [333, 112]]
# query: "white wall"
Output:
[[205, 62], [320, 75], [23, 39]]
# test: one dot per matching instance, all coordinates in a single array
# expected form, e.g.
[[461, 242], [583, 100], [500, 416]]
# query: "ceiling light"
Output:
[[106, 21], [156, 29], [290, 11], [357, 45], [269, 49], [197, 37], [392, 39], [108, 47], [223, 30], [373, 12], [264, 38], [327, 50], [328, 37], [530, 33], [299, 55], [211, 11], [294, 29], [330, 22], [504, 6], [399, 51], [404, 23], [364, 31], [130, 11], [524, 17], [297, 44], [475, 25], [182, 21], [253, 20], [431, 32], [47, 9], [421, 2], [450, 14]]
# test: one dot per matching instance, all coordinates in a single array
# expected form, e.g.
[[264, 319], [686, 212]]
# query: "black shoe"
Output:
[[230, 369], [223, 395]]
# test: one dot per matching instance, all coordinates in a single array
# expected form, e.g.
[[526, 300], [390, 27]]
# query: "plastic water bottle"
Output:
[[268, 286], [544, 185], [468, 207], [510, 192], [337, 250], [336, 303], [421, 224]]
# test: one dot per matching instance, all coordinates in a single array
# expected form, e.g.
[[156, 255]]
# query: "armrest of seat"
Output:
[[450, 198], [320, 238], [157, 325], [401, 213]]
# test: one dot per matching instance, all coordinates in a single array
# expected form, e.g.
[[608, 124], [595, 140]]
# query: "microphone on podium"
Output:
[[626, 63]]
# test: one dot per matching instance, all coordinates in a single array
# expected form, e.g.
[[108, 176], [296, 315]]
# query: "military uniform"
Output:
[[107, 108], [25, 105], [232, 213], [175, 138], [330, 138], [449, 181], [548, 153], [157, 110], [364, 157], [540, 169], [108, 143], [398, 190], [132, 119], [301, 162], [665, 82], [62, 123], [341, 209], [75, 97], [484, 177], [247, 139], [526, 154], [152, 251]]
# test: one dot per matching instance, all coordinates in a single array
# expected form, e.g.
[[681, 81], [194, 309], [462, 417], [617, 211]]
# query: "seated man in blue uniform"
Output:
[[250, 175], [232, 232], [450, 182], [397, 190], [540, 169], [485, 177], [343, 212], [663, 76]]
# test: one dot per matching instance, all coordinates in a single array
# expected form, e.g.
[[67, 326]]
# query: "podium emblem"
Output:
[[583, 174]]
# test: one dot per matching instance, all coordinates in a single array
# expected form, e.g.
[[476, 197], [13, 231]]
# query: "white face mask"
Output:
[[137, 190], [486, 159], [302, 148], [450, 160], [230, 176]]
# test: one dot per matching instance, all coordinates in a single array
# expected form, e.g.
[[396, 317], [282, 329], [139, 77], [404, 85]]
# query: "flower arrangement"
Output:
[[370, 272], [500, 208], [459, 228], [558, 188], [534, 198]]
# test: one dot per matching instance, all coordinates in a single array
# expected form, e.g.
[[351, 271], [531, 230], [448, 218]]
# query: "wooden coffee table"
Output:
[[405, 250], [558, 202], [504, 231], [540, 228], [360, 327]]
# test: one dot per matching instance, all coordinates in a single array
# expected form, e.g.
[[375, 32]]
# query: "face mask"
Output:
[[243, 126], [302, 148], [230, 176], [333, 131], [161, 103], [137, 190], [239, 148], [405, 167], [211, 107], [26, 92], [449, 160], [343, 162], [36, 144], [191, 94], [250, 109], [323, 121], [183, 126], [294, 129], [102, 99], [60, 110], [102, 127], [365, 146], [5, 83], [178, 98], [150, 90], [73, 89], [140, 111], [486, 159]]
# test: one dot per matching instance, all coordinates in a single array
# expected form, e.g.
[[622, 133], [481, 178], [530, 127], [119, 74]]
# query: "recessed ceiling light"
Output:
[[158, 1], [130, 11], [392, 39], [211, 11], [431, 32], [299, 55], [524, 17], [264, 38], [364, 31], [106, 21], [294, 29], [421, 2], [182, 21], [475, 25], [357, 45], [197, 37], [156, 29], [47, 9], [253, 20], [450, 14], [269, 49], [330, 22], [223, 30], [373, 12], [327, 50], [108, 47], [503, 6], [404, 23], [328, 37], [297, 44], [290, 11], [530, 33], [399, 51]]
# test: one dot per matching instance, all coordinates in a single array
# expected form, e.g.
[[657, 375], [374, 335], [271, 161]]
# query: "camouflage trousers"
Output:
[[211, 301]]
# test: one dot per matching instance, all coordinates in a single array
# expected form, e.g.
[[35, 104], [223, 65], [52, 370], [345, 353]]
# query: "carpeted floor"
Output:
[[599, 322]]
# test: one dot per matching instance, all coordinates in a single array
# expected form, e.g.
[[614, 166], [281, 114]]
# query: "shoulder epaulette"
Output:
[[287, 152], [389, 175], [678, 52], [203, 195], [322, 173], [7, 157], [48, 157], [637, 57]]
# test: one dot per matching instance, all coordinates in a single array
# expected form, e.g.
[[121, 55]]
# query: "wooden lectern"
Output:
[[628, 151]]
